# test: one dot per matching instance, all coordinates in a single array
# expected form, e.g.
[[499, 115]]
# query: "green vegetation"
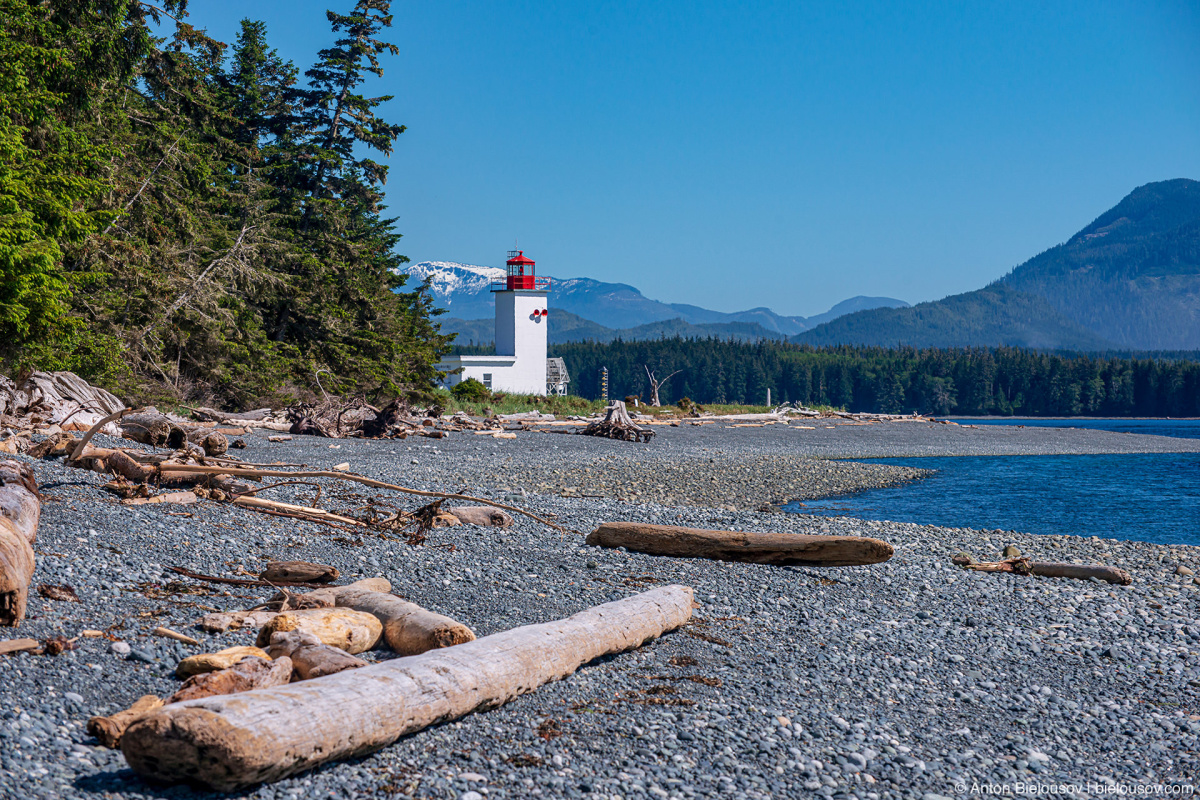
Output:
[[960, 381], [504, 403], [470, 391], [184, 218]]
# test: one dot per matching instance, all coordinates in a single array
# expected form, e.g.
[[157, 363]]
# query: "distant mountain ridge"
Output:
[[1130, 280], [567, 327], [464, 290]]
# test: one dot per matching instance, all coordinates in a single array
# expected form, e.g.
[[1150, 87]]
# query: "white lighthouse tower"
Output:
[[519, 365]]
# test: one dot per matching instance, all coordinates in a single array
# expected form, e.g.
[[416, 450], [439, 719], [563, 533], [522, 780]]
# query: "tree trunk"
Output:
[[20, 510], [228, 743], [778, 549]]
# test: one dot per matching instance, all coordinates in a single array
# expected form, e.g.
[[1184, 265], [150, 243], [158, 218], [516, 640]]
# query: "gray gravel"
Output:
[[897, 680]]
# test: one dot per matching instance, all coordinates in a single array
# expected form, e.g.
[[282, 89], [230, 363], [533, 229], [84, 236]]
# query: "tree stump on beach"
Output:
[[617, 424]]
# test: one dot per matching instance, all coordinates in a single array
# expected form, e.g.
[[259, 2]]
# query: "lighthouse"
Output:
[[520, 365]]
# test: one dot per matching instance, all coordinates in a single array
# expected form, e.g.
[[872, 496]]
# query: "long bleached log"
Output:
[[20, 510], [778, 549], [236, 741]]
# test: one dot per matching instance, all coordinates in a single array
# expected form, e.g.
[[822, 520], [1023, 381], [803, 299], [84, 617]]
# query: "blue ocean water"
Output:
[[1182, 428], [1145, 497]]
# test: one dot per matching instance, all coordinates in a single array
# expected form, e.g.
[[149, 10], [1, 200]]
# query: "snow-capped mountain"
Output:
[[465, 291], [449, 278]]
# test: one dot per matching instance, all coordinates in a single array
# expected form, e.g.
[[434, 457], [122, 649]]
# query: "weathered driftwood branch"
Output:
[[109, 729], [303, 512], [228, 743], [1047, 569], [171, 470], [778, 549], [20, 510], [241, 581], [87, 437]]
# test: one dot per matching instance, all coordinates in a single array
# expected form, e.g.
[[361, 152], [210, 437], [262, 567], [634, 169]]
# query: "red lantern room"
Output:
[[521, 274]]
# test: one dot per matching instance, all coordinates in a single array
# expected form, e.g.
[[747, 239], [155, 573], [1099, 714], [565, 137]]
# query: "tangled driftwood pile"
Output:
[[617, 424], [282, 720], [50, 402], [354, 419]]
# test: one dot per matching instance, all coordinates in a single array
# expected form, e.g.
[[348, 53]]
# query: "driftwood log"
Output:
[[298, 572], [408, 628], [212, 662], [20, 510], [617, 424], [778, 549], [221, 621], [481, 515], [345, 628], [110, 729], [228, 743], [152, 428], [1047, 569], [249, 673], [310, 658], [212, 442]]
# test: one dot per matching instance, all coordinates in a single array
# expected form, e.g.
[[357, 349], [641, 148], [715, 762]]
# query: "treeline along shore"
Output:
[[975, 381]]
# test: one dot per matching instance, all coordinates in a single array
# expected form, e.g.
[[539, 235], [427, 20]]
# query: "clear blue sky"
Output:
[[786, 154]]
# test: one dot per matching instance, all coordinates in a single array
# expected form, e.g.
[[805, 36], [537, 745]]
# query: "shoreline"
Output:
[[850, 680]]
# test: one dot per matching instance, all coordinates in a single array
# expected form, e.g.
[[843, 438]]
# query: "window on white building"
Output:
[[487, 381]]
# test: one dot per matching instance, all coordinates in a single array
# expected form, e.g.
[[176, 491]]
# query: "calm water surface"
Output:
[[1145, 497]]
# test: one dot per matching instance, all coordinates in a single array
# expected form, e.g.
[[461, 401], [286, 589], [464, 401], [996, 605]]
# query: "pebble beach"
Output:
[[907, 679]]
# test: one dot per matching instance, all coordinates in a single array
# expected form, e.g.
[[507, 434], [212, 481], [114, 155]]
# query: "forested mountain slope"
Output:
[[1131, 279], [1133, 275], [993, 316]]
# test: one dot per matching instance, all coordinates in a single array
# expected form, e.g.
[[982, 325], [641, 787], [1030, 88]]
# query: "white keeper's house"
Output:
[[520, 365]]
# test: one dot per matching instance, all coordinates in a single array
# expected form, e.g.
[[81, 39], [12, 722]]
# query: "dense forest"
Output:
[[932, 381], [185, 217]]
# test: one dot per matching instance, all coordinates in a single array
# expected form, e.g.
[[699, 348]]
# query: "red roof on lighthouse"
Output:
[[519, 260]]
